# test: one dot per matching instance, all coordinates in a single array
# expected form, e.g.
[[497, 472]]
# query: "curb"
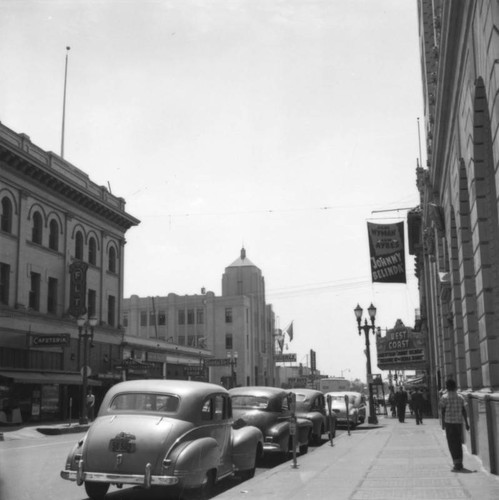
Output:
[[52, 431]]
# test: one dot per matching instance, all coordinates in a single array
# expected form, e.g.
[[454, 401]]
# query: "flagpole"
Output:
[[64, 102]]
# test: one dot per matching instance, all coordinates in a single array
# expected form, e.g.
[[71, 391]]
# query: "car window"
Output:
[[248, 401], [150, 402], [216, 407]]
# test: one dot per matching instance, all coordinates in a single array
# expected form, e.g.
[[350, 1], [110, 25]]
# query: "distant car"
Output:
[[311, 404], [172, 433], [268, 408], [356, 407]]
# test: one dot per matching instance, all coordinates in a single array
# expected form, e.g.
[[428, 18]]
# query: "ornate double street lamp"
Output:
[[365, 328], [85, 334], [232, 355]]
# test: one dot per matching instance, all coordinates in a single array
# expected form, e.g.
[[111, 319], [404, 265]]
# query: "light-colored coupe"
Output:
[[356, 407]]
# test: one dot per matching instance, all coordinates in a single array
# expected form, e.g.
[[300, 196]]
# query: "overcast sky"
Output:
[[277, 125]]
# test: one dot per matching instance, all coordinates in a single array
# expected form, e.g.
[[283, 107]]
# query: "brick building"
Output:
[[233, 333], [53, 218]]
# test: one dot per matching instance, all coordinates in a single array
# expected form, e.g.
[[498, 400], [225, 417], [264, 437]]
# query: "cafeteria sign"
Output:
[[386, 247], [50, 340]]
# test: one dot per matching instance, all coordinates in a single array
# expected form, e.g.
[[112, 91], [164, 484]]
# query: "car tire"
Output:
[[246, 474], [96, 491], [206, 491]]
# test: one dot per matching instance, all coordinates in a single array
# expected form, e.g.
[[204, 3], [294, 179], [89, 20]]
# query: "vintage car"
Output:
[[172, 433], [356, 407], [269, 409], [311, 404]]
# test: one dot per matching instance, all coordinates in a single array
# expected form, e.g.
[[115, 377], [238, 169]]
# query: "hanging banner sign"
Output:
[[387, 252]]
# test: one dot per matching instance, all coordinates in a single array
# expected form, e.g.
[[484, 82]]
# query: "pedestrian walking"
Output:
[[401, 403], [391, 401], [453, 410], [417, 402], [90, 401]]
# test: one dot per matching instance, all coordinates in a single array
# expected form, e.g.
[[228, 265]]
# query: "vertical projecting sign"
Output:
[[386, 246], [78, 288]]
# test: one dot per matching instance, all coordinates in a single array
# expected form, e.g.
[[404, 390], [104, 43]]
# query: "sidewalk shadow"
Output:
[[464, 470]]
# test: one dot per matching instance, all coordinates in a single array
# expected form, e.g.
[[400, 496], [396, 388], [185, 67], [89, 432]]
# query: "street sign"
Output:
[[217, 362], [285, 358]]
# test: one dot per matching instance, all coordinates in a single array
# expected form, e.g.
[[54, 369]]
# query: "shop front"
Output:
[[33, 396]]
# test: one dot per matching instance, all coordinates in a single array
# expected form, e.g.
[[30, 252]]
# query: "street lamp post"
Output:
[[365, 328], [85, 334], [232, 355]]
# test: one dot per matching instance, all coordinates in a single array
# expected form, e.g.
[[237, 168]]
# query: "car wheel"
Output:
[[206, 491], [304, 447], [96, 491], [249, 473]]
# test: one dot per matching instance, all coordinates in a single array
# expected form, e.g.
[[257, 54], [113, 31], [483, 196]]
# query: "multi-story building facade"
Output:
[[62, 241], [226, 339], [455, 231]]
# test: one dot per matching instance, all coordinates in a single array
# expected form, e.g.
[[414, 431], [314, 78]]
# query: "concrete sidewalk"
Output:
[[391, 460]]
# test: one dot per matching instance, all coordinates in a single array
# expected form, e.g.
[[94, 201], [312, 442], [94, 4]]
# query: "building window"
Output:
[[190, 316], [199, 316], [228, 314], [54, 235], [79, 246], [91, 303], [4, 283], [92, 251], [112, 260], [228, 340], [52, 296], [6, 219], [37, 229], [143, 318], [111, 312], [125, 319], [161, 318], [181, 317], [34, 293], [152, 318]]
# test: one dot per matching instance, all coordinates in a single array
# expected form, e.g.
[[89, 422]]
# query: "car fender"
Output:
[[192, 459], [318, 421], [71, 463], [304, 430], [247, 445]]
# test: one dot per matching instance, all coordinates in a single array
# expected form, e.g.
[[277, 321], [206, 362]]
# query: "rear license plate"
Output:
[[122, 444]]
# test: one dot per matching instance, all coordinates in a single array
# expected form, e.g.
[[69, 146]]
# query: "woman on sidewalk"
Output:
[[453, 408]]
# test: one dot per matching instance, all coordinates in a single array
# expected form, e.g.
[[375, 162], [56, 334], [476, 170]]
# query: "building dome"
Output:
[[242, 261]]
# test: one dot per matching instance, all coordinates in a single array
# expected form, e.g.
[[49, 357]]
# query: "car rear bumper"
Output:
[[100, 477]]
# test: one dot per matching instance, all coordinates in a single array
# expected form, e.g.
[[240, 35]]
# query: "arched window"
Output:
[[112, 260], [79, 246], [37, 229], [92, 251], [54, 235], [6, 223]]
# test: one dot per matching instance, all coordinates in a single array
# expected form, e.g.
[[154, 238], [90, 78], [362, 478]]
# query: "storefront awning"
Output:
[[30, 377]]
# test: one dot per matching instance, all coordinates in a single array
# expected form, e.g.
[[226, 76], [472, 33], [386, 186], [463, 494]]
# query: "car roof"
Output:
[[258, 390], [306, 392], [182, 388], [344, 393]]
